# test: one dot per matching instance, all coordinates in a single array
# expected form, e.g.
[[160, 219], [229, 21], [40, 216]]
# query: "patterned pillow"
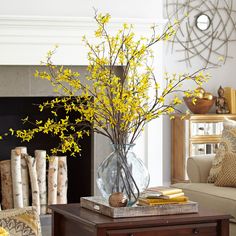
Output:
[[227, 144], [21, 221], [227, 177]]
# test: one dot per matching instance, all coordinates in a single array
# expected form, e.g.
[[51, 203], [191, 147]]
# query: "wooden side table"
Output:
[[72, 220]]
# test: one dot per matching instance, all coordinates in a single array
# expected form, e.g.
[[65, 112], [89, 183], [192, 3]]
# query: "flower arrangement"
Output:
[[116, 106]]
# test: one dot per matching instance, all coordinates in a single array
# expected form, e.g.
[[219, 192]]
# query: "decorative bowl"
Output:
[[202, 105]]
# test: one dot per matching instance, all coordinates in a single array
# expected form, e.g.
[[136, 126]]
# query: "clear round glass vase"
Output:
[[122, 172]]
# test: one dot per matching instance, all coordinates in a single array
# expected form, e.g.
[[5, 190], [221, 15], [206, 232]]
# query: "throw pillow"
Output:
[[21, 221], [227, 177], [227, 144]]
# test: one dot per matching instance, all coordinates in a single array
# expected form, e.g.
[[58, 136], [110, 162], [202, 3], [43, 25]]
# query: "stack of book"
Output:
[[230, 95], [162, 195]]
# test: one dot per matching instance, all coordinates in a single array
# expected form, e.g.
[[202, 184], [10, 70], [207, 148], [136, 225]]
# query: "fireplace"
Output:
[[12, 110]]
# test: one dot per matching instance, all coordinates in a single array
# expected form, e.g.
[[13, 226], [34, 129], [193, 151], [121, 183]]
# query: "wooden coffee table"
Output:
[[72, 220]]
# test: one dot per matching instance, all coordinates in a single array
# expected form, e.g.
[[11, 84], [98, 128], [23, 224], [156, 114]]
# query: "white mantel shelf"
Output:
[[25, 40]]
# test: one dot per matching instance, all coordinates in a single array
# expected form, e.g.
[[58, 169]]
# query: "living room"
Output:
[[29, 30]]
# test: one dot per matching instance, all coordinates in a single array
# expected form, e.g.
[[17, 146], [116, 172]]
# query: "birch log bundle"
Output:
[[62, 180], [40, 156], [34, 182], [6, 185], [23, 171], [24, 176], [52, 180], [16, 178]]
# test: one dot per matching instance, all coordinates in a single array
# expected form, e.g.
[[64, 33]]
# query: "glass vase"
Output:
[[122, 172]]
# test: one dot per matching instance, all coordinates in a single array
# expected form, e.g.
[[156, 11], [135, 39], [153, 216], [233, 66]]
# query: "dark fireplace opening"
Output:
[[13, 110]]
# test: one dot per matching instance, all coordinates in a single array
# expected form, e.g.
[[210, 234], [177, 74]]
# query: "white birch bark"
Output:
[[6, 185], [62, 180], [40, 156], [34, 183], [16, 178], [52, 181], [24, 176], [23, 150]]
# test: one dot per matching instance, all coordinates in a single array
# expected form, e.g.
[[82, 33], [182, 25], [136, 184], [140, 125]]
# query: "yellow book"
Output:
[[234, 110], [229, 94], [158, 201], [170, 196], [163, 190]]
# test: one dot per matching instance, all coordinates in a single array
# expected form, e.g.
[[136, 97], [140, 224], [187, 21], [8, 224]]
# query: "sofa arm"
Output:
[[198, 168]]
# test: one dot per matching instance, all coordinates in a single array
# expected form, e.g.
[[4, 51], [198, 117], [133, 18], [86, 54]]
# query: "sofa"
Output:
[[222, 199]]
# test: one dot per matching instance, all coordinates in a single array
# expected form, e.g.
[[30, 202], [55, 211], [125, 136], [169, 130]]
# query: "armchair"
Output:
[[208, 195]]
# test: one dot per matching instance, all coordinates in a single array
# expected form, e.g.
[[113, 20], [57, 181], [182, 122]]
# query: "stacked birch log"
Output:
[[24, 180]]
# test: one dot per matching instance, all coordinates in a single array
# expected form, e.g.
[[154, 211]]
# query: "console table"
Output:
[[72, 220], [195, 135]]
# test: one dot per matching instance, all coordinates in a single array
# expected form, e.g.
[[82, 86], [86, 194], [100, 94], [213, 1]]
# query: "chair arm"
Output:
[[198, 168]]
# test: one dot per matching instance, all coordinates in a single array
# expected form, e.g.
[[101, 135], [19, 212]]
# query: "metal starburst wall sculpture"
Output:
[[211, 45]]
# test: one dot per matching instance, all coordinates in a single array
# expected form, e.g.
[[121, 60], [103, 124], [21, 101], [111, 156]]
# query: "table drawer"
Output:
[[208, 229], [206, 128]]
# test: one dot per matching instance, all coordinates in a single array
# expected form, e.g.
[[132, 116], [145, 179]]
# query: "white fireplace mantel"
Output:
[[25, 40]]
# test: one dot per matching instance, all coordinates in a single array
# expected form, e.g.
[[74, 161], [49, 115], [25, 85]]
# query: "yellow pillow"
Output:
[[226, 176], [3, 232]]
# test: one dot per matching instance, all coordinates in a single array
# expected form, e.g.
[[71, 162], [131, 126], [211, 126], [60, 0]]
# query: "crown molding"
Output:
[[69, 21], [24, 40]]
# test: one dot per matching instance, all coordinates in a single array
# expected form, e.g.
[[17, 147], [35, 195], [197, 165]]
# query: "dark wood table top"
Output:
[[77, 213]]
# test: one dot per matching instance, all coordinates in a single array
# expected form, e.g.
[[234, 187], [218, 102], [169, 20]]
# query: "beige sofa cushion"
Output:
[[198, 168], [227, 144], [222, 199]]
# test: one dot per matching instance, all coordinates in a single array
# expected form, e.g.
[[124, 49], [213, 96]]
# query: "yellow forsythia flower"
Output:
[[116, 103]]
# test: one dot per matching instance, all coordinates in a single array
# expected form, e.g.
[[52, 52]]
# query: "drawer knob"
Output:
[[200, 149], [195, 231]]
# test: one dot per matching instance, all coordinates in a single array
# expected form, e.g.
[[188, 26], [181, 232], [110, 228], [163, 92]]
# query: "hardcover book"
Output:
[[230, 96], [158, 201], [163, 190]]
